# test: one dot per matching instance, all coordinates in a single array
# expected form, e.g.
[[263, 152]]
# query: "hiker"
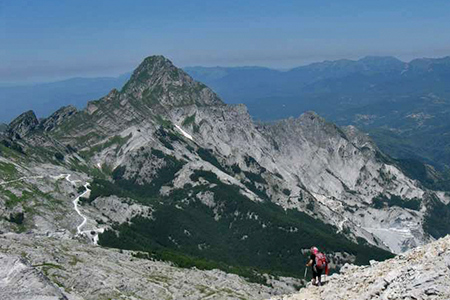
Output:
[[319, 264]]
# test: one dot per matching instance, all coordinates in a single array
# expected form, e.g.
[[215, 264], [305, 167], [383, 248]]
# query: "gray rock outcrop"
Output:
[[58, 117], [20, 280], [422, 273], [86, 272], [22, 125]]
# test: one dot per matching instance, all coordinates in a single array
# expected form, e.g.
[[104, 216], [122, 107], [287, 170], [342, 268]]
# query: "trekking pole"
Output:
[[306, 271]]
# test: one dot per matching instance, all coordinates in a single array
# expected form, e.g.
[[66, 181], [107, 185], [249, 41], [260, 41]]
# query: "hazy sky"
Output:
[[45, 40]]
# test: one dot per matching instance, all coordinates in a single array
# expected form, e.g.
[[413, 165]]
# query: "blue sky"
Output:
[[48, 40]]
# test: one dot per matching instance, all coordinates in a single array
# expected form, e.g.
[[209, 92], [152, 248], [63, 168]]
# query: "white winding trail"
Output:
[[75, 203], [88, 233]]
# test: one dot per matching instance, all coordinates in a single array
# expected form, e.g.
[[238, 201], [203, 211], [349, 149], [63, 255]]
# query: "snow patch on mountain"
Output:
[[184, 133]]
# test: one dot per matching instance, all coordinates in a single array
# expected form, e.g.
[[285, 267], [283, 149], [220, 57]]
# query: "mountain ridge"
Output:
[[182, 158], [402, 105]]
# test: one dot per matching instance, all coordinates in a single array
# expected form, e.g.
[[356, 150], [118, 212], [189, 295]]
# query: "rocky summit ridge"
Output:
[[421, 273], [164, 169], [156, 77]]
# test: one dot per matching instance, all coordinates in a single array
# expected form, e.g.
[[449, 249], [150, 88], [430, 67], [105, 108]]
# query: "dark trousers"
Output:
[[317, 273]]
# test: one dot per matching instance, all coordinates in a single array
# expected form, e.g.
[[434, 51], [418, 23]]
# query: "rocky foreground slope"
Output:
[[46, 268], [421, 273]]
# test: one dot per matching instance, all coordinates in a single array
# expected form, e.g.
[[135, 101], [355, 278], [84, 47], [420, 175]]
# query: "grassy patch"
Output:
[[45, 267], [115, 140], [7, 171], [12, 200], [164, 123], [189, 120], [189, 261]]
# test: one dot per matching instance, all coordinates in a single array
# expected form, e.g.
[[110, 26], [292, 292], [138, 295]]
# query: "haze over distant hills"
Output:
[[45, 98], [404, 106]]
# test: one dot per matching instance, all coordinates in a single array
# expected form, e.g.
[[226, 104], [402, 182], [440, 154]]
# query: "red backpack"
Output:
[[321, 260]]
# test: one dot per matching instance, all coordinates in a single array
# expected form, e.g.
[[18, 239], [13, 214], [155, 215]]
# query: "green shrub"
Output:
[[381, 201], [17, 218], [255, 177], [207, 155], [207, 175], [437, 219], [59, 156], [189, 120]]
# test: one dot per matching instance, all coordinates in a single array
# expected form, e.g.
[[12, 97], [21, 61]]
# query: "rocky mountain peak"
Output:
[[157, 81], [312, 123], [58, 117], [23, 124], [311, 115]]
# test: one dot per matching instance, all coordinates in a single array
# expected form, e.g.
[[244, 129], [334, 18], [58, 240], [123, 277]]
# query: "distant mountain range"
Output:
[[250, 85], [404, 106]]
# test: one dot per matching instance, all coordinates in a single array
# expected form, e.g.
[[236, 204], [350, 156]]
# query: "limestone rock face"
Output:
[[90, 273], [344, 171], [58, 117], [421, 273], [22, 125], [19, 280]]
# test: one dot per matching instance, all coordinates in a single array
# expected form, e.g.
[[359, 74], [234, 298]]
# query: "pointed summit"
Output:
[[22, 125], [58, 117], [157, 81]]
